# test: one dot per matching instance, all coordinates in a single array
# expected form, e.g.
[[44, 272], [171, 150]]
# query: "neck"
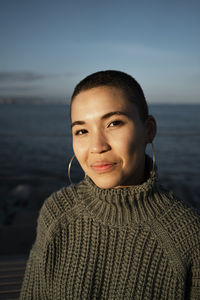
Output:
[[122, 206], [140, 176]]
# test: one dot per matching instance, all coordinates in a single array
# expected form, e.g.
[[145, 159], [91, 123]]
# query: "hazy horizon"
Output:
[[41, 101]]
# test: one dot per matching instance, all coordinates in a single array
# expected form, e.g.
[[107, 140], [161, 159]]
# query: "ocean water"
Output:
[[36, 144]]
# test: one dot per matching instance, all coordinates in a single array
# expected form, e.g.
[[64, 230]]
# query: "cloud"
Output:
[[20, 88], [26, 84], [20, 76], [28, 76]]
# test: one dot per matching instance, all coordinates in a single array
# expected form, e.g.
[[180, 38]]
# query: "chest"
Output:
[[92, 261]]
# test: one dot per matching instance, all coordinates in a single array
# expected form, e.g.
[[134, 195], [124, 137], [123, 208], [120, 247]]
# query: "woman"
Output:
[[117, 234]]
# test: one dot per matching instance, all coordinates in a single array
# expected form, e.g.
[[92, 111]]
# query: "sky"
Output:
[[47, 47]]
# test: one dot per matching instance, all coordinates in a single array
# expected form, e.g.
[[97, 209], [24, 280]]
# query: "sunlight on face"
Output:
[[108, 137]]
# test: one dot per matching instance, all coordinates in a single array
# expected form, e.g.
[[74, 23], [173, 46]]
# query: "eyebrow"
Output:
[[106, 116]]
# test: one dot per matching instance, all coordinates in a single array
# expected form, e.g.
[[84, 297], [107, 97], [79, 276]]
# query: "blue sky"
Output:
[[48, 46]]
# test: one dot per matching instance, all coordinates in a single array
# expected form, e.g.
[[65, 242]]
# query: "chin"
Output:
[[106, 183]]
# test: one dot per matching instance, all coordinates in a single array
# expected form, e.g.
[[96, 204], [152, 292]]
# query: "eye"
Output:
[[81, 132], [115, 123]]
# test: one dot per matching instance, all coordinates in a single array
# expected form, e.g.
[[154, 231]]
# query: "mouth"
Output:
[[103, 166]]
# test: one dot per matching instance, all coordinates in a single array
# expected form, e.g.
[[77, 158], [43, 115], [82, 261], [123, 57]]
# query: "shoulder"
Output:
[[179, 215], [57, 204], [55, 212], [180, 223]]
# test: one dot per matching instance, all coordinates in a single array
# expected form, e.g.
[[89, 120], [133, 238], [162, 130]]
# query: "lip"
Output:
[[102, 166]]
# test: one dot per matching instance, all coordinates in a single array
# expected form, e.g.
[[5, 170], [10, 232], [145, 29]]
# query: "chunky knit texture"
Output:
[[128, 243]]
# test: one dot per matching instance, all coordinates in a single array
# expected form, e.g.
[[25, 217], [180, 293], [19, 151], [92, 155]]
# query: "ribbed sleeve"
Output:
[[42, 255], [34, 280], [34, 283], [193, 285]]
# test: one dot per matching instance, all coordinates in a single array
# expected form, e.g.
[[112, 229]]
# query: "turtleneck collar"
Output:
[[124, 205]]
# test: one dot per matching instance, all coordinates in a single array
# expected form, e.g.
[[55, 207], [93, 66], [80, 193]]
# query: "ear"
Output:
[[150, 129]]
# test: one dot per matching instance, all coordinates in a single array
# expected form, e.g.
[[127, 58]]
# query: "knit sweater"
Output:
[[127, 243]]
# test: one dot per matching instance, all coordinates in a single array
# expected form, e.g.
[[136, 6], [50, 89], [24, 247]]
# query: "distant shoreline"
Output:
[[42, 101], [32, 101]]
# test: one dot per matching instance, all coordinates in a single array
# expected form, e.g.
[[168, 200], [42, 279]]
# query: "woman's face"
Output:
[[109, 139]]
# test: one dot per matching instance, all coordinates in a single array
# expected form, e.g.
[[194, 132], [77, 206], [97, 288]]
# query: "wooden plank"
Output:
[[11, 276]]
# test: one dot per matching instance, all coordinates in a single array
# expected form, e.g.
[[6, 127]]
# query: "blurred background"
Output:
[[46, 48]]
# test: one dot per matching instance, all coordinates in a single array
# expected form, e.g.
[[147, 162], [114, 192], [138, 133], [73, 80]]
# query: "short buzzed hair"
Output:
[[130, 87]]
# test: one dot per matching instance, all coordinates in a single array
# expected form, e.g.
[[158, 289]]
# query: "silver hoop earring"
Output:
[[154, 158], [69, 169]]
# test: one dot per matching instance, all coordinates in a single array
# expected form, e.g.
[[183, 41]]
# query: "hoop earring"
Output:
[[154, 158], [69, 168]]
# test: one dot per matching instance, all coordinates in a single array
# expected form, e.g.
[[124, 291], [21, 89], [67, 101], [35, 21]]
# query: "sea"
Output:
[[36, 147]]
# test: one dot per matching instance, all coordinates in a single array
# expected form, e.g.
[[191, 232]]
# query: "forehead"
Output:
[[98, 101]]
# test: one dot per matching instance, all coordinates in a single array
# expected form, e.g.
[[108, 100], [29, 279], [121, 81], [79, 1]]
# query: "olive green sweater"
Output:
[[127, 243]]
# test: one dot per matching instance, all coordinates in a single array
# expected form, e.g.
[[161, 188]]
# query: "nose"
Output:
[[99, 143]]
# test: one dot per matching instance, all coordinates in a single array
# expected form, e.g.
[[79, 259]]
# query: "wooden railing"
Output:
[[11, 276]]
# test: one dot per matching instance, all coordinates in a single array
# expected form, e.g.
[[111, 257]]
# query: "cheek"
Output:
[[126, 141], [129, 143], [79, 150]]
